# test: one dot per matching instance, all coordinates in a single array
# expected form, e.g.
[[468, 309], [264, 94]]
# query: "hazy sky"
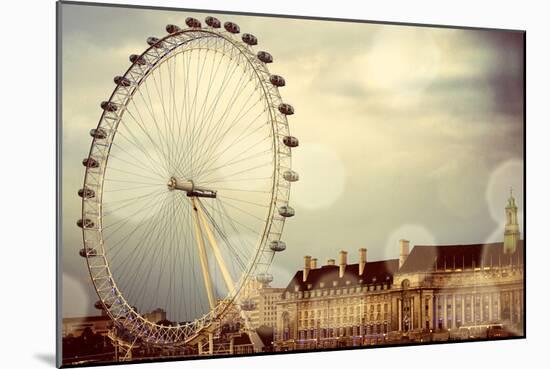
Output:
[[405, 132]]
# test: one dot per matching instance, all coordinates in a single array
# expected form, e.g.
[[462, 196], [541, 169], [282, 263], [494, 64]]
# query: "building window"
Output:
[[458, 311], [467, 311], [495, 307], [486, 317], [439, 312], [477, 308], [449, 307]]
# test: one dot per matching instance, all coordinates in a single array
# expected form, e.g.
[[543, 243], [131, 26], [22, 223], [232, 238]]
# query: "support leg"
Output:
[[203, 256]]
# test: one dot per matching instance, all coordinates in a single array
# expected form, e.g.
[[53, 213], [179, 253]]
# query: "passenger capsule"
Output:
[[277, 246], [291, 176], [90, 163], [137, 59], [91, 252], [286, 109], [264, 278], [98, 133], [86, 193], [290, 141], [172, 28], [193, 22], [250, 39], [213, 22], [277, 80], [154, 41], [108, 106], [122, 81], [286, 211], [248, 305], [85, 223], [231, 27], [265, 57], [100, 306]]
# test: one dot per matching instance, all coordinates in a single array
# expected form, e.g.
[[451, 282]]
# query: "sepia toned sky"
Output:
[[405, 132]]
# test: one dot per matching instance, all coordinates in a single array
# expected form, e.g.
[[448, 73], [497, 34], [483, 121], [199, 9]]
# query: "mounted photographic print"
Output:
[[240, 184]]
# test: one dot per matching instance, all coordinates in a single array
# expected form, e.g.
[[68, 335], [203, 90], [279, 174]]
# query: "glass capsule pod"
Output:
[[286, 211], [277, 80], [249, 39], [265, 57], [172, 28], [90, 163], [98, 133], [193, 22], [122, 81], [264, 278], [85, 223], [286, 109], [154, 41], [100, 306], [91, 252], [86, 193], [291, 176], [290, 141], [108, 106], [138, 59], [213, 22], [231, 27], [277, 245]]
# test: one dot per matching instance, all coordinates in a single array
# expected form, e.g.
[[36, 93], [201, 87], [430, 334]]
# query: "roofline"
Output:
[[467, 244]]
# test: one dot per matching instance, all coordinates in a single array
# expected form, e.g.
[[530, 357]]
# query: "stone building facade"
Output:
[[267, 306], [262, 298], [432, 293]]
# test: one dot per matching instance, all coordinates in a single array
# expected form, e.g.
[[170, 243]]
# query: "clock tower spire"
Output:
[[511, 230]]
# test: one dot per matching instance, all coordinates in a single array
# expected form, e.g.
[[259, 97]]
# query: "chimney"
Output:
[[403, 251], [307, 266], [313, 264], [331, 261], [343, 262], [362, 260]]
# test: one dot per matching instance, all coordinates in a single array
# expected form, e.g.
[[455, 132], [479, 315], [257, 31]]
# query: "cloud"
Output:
[[417, 117]]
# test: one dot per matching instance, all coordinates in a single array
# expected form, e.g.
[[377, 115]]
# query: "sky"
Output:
[[405, 132]]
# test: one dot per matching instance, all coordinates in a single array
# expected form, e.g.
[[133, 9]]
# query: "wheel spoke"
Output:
[[186, 190]]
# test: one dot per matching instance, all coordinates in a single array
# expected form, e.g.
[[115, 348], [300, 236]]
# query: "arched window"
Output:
[[286, 326]]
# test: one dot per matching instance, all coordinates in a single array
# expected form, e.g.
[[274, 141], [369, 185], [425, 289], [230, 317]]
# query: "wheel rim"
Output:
[[163, 162]]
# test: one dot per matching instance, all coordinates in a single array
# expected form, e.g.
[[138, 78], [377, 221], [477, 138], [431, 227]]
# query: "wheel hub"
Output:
[[189, 187]]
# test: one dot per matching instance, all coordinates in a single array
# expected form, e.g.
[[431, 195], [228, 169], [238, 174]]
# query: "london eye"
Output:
[[187, 182]]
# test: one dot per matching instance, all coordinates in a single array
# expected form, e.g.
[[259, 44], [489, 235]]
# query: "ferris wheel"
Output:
[[187, 182]]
